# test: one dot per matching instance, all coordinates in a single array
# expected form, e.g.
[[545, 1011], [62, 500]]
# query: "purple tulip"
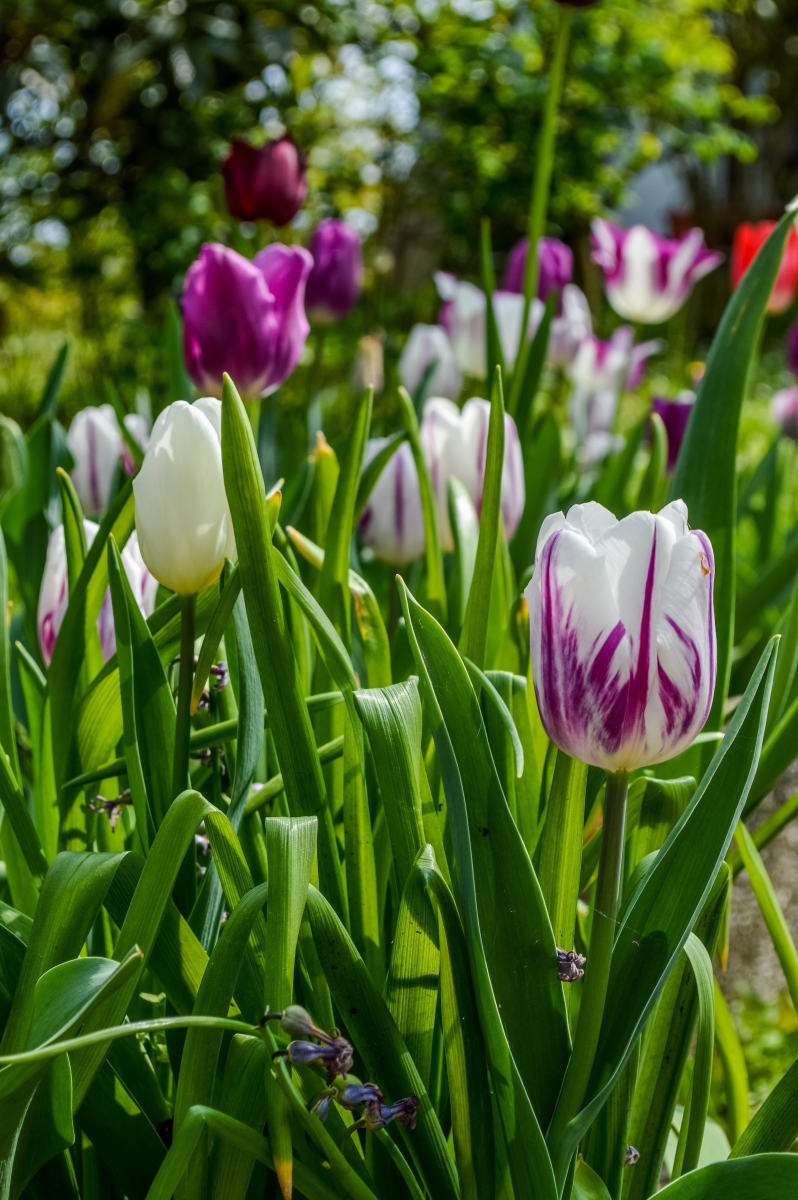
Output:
[[245, 318], [334, 282], [791, 347], [555, 266], [54, 597], [265, 183], [647, 277], [675, 415], [784, 411], [622, 634]]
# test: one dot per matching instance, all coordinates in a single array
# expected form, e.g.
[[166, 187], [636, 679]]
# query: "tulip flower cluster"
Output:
[[454, 443]]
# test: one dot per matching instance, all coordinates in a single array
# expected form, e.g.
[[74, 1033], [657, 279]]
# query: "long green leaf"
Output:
[[734, 1067], [260, 570], [705, 475], [758, 1178], [561, 846], [702, 1072], [436, 587], [771, 910]]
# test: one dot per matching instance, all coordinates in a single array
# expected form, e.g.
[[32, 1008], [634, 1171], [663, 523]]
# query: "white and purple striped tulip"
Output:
[[392, 524], [570, 328], [622, 634], [428, 345], [54, 598], [463, 315], [96, 444], [455, 444], [647, 278]]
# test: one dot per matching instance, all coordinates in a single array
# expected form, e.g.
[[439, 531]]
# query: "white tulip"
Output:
[[96, 444], [392, 524], [182, 517], [429, 344]]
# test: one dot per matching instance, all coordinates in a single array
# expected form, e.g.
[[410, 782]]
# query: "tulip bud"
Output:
[[555, 266], [245, 318], [454, 443], [333, 285], [784, 411], [675, 415], [748, 240], [54, 598], [184, 526], [392, 524], [265, 183], [622, 634], [647, 278], [428, 345], [96, 444]]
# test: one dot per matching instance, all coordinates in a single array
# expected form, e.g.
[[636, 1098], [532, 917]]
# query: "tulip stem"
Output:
[[597, 974], [541, 187]]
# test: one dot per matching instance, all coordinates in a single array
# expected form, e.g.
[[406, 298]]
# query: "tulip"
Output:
[[570, 328], [600, 371], [455, 443], [54, 597], [184, 526], [622, 634], [265, 183], [747, 241], [675, 415], [784, 411], [555, 266], [429, 347], [464, 318], [96, 444], [791, 347], [334, 282], [647, 277], [392, 524], [245, 318]]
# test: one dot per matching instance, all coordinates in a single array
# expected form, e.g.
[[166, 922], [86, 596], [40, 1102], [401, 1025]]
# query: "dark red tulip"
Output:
[[266, 183]]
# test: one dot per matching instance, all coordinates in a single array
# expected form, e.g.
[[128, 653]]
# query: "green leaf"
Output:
[[705, 475], [614, 479], [777, 754], [230, 591], [198, 1064], [561, 847], [480, 680], [472, 1119], [465, 535], [261, 571], [334, 580], [391, 717], [493, 345], [361, 870], [474, 635], [18, 816], [542, 467], [436, 587], [521, 401], [770, 581], [702, 1071], [765, 833], [666, 906], [521, 1007], [178, 386], [760, 1177], [587, 1184], [786, 666], [775, 1124], [291, 846], [121, 1133], [372, 472], [771, 910], [734, 1067], [653, 484], [243, 1098], [411, 989], [37, 706], [52, 388], [375, 1034]]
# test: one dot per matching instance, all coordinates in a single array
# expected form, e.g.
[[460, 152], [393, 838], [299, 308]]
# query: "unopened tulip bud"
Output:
[[647, 278], [182, 518], [622, 634], [428, 349], [334, 282], [265, 183]]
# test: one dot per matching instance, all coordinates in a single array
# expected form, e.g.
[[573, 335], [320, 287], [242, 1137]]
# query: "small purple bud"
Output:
[[377, 1116], [337, 1057], [359, 1093], [321, 1105], [570, 965], [221, 675], [631, 1156], [111, 808]]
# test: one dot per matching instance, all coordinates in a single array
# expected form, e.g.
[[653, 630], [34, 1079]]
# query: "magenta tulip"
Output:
[[265, 183], [555, 266], [675, 415], [333, 285]]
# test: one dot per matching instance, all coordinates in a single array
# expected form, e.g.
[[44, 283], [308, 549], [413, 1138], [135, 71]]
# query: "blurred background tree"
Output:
[[417, 119]]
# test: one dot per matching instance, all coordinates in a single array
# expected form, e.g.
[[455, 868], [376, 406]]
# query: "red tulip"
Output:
[[266, 184], [747, 241]]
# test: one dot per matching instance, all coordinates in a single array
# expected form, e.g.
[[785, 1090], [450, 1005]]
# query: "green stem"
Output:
[[541, 186], [186, 883], [314, 374], [597, 973]]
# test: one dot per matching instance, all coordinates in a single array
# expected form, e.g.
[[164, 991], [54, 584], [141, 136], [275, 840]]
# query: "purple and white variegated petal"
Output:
[[441, 443], [392, 524]]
